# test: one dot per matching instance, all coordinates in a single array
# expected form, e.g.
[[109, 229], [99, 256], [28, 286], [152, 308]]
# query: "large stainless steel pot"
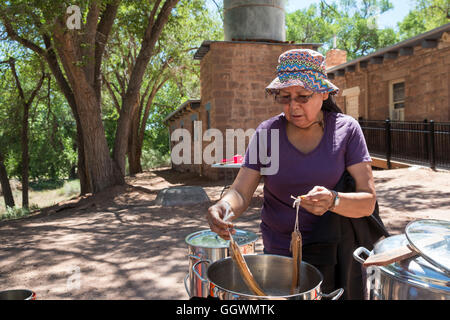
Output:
[[409, 279], [207, 245], [272, 272]]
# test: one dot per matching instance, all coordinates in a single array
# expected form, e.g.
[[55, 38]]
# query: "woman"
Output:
[[316, 145]]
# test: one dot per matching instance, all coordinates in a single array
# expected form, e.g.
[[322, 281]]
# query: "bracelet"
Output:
[[336, 200]]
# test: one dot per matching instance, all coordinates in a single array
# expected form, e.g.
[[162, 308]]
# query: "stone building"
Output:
[[233, 77], [409, 81], [406, 81]]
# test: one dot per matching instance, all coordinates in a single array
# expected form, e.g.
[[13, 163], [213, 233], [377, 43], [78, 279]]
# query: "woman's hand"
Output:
[[318, 200], [215, 216]]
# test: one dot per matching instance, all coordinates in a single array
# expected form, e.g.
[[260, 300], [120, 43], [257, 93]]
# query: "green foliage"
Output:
[[306, 26], [353, 22], [427, 15], [40, 185], [189, 25], [52, 131], [70, 188], [43, 193], [15, 213], [51, 125], [152, 158]]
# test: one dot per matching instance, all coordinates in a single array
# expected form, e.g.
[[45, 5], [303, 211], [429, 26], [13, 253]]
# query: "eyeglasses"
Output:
[[288, 99]]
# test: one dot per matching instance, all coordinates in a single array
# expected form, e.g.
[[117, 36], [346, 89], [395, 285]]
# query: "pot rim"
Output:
[[317, 287], [252, 239]]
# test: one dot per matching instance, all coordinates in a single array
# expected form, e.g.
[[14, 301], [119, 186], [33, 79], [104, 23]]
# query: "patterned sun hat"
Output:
[[302, 67]]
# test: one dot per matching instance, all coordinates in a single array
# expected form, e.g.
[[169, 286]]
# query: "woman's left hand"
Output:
[[318, 200]]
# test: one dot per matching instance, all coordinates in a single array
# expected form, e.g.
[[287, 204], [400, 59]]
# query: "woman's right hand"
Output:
[[215, 216]]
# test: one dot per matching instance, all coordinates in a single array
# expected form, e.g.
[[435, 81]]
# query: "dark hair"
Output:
[[330, 105]]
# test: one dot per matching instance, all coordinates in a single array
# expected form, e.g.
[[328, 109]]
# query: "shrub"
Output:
[[14, 213]]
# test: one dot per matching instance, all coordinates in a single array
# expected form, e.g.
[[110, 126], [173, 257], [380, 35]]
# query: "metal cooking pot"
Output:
[[422, 277], [17, 294], [272, 272], [207, 245]]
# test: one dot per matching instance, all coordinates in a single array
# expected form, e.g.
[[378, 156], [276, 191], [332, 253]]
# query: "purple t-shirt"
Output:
[[342, 145]]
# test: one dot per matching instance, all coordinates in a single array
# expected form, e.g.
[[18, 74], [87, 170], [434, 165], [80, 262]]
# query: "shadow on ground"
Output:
[[119, 245], [411, 203], [114, 245]]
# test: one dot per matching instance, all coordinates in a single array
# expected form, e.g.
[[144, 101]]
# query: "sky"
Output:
[[387, 19]]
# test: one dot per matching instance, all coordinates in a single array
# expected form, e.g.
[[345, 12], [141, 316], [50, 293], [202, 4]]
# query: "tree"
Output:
[[8, 137], [172, 60], [26, 105], [427, 15], [42, 27], [6, 187], [307, 26], [130, 100], [352, 22], [51, 129]]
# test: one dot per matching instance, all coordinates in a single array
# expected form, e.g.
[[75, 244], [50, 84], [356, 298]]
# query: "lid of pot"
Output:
[[431, 239], [210, 239], [412, 270]]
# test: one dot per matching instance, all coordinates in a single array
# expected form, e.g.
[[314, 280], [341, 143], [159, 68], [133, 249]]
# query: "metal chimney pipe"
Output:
[[254, 20]]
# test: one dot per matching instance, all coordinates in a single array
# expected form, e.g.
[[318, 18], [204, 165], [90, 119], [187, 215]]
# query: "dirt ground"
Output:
[[120, 245]]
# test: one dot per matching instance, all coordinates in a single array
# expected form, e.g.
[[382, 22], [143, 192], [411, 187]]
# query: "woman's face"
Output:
[[302, 114]]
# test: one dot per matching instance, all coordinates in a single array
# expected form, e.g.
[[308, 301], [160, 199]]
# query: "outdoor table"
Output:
[[227, 166]]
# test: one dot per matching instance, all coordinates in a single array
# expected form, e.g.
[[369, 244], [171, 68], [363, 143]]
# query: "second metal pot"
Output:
[[272, 272], [207, 245], [410, 279]]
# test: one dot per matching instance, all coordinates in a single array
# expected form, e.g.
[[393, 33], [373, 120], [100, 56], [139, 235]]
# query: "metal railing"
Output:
[[425, 143]]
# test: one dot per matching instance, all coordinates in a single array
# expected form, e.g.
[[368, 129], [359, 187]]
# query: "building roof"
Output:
[[184, 108], [204, 48], [426, 40]]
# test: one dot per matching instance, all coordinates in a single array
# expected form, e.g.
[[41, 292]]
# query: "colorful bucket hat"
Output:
[[302, 67]]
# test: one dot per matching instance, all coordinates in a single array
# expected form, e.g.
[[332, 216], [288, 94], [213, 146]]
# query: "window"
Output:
[[399, 95], [351, 96], [208, 115], [352, 106], [397, 100]]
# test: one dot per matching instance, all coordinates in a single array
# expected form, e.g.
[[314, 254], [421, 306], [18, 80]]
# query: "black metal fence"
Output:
[[425, 143]]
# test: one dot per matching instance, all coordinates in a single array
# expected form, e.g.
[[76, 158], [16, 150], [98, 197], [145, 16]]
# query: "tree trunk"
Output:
[[85, 182], [137, 128], [131, 97], [25, 157], [134, 149], [24, 137], [52, 60], [101, 169], [6, 187], [82, 88]]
